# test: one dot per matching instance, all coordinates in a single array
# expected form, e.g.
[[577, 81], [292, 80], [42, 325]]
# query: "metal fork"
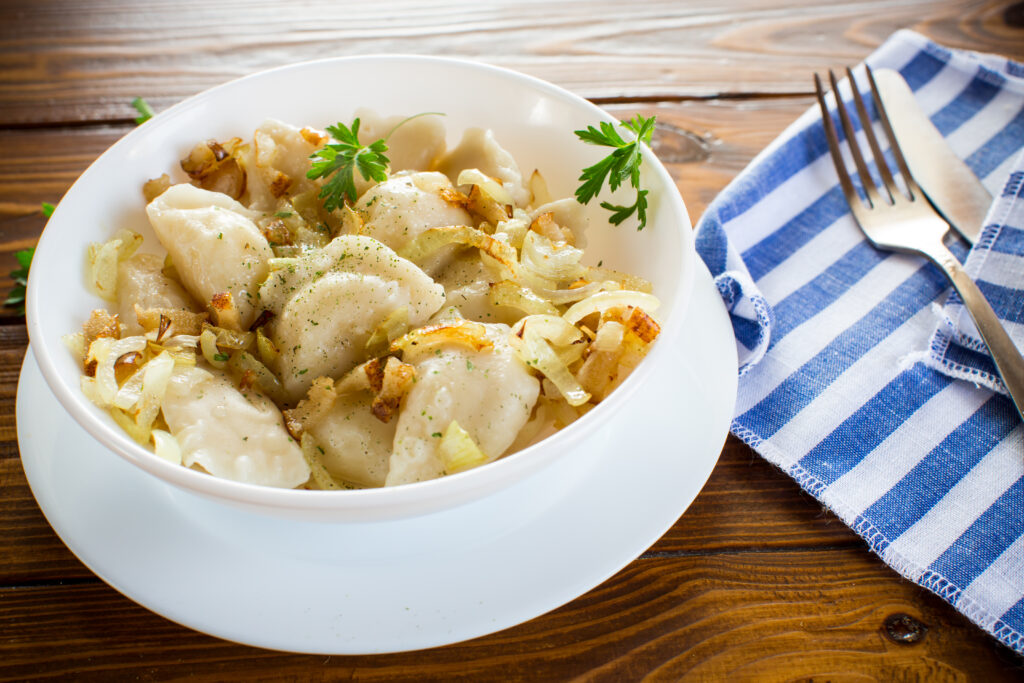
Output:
[[895, 222]]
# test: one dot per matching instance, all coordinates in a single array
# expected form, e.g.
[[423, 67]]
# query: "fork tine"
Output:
[[883, 117], [851, 139], [833, 147], [869, 133]]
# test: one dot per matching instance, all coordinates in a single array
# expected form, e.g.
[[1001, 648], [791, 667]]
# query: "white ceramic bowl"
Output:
[[534, 120]]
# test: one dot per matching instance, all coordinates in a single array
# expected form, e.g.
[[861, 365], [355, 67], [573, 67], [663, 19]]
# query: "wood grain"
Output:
[[68, 61], [742, 616], [755, 582]]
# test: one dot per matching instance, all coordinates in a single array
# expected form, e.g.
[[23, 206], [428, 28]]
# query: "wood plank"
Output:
[[13, 341], [770, 616], [68, 61]]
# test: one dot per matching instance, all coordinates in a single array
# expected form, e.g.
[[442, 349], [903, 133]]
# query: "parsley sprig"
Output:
[[341, 159], [145, 111], [621, 165]]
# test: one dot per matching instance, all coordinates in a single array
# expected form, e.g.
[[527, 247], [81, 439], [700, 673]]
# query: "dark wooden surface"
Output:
[[755, 581]]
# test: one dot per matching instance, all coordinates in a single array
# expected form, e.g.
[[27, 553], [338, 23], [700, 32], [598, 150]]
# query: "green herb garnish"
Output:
[[47, 209], [221, 357], [145, 111], [341, 159], [16, 297], [621, 165]]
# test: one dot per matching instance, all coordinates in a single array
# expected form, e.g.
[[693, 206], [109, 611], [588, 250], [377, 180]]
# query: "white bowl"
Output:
[[534, 120]]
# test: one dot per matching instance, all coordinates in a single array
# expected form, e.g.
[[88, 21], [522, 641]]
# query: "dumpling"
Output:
[[478, 149], [407, 204], [567, 213], [489, 392], [467, 284], [277, 162], [415, 146], [231, 434], [141, 281], [356, 445], [330, 301], [214, 244]]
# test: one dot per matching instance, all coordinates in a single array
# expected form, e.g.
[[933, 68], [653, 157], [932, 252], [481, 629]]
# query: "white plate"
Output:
[[347, 588]]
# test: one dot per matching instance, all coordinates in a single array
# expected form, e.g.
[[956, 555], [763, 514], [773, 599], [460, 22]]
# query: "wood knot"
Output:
[[675, 145], [1014, 15], [904, 629]]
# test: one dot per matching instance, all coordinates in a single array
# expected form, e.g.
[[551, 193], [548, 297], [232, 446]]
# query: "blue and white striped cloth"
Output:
[[852, 362]]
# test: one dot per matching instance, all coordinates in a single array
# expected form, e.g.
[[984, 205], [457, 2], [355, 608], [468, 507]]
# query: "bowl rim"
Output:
[[471, 482]]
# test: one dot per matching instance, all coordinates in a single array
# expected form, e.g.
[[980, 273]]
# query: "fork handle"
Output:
[[1007, 359]]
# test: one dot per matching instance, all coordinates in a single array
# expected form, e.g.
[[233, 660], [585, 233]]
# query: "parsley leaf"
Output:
[[340, 160], [622, 165], [16, 297], [47, 209]]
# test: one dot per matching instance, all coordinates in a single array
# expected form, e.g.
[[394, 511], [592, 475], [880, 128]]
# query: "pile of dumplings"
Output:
[[442, 320]]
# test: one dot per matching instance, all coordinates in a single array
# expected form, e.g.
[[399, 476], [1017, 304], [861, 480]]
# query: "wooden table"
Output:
[[756, 580]]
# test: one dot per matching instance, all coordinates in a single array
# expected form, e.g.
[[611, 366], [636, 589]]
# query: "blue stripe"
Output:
[[972, 99], [748, 332], [1015, 615], [712, 245], [1008, 302], [730, 290], [767, 254], [872, 423], [822, 291], [805, 384], [922, 68], [1014, 184], [964, 357], [985, 540], [1010, 241], [998, 148], [942, 468]]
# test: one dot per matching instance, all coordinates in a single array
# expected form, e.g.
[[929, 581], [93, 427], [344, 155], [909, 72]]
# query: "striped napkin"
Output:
[[995, 263], [861, 376]]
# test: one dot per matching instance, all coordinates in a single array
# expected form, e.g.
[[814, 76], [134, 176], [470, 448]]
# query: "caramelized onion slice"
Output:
[[530, 340], [602, 301], [462, 332], [104, 258], [429, 241], [398, 379], [490, 187], [508, 293]]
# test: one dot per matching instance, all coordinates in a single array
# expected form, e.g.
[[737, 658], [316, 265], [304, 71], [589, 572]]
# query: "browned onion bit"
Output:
[[262, 319], [126, 365]]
